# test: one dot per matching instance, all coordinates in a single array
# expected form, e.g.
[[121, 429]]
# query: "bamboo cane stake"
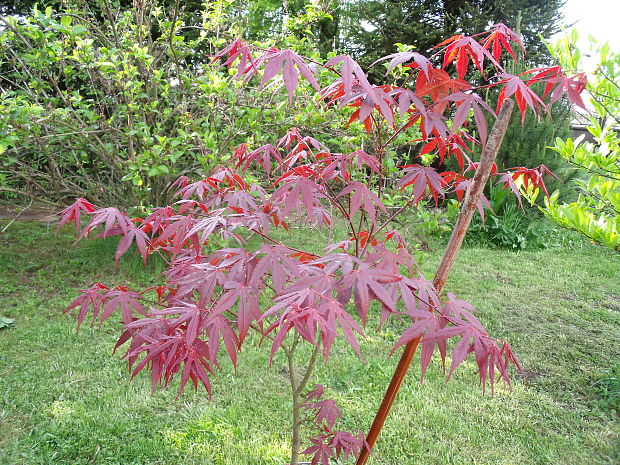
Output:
[[487, 158]]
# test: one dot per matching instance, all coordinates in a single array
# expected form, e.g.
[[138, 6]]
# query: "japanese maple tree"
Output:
[[210, 296]]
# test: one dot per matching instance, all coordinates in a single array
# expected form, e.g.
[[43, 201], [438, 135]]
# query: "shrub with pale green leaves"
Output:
[[115, 104], [596, 213]]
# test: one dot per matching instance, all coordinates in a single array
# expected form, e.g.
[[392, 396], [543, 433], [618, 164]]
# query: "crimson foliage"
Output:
[[211, 296]]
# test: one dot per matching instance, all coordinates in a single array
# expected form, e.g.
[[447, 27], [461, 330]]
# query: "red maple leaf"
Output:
[[73, 212], [422, 178]]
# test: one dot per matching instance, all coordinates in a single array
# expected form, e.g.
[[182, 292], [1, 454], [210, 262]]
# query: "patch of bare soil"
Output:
[[20, 213]]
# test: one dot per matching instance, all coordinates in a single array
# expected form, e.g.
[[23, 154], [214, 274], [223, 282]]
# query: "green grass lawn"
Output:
[[65, 399]]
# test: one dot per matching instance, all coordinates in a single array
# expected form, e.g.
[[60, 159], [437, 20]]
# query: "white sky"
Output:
[[598, 18]]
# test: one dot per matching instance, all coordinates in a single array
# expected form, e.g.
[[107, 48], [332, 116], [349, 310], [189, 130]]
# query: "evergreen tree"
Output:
[[371, 27], [366, 29]]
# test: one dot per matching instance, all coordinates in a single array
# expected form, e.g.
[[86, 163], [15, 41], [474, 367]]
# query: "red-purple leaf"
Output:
[[422, 178], [402, 57], [73, 212]]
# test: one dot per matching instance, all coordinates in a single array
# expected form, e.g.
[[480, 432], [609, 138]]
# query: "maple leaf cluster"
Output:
[[439, 105], [328, 443], [209, 300]]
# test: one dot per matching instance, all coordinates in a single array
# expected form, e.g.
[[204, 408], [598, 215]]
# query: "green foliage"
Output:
[[596, 213], [506, 226], [87, 106], [608, 385], [510, 229], [115, 105], [514, 227]]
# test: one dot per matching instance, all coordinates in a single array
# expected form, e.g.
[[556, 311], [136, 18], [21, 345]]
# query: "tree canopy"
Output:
[[366, 29]]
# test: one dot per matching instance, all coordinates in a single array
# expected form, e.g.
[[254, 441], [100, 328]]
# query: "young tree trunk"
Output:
[[297, 387], [296, 438]]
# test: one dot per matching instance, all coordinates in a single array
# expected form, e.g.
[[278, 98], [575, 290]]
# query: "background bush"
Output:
[[116, 104]]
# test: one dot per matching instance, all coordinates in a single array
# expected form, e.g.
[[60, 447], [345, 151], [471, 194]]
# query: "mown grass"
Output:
[[64, 399]]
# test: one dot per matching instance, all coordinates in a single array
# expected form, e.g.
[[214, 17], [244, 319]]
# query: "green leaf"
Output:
[[6, 322], [158, 170]]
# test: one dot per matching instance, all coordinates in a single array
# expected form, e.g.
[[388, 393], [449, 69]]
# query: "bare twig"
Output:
[[18, 215]]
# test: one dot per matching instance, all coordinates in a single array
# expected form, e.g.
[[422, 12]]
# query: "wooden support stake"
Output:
[[487, 158]]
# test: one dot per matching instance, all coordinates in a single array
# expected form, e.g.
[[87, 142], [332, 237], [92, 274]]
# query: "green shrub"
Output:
[[116, 105], [596, 212]]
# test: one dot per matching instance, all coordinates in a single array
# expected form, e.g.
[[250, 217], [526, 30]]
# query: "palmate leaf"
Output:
[[369, 284], [461, 49], [347, 444], [530, 177], [277, 261], [344, 162], [245, 297], [500, 37], [217, 327], [206, 227], [363, 198], [237, 49], [200, 189], [320, 450], [366, 95], [124, 298], [94, 296], [305, 320], [465, 103], [308, 306], [350, 73], [155, 222], [335, 314], [430, 124], [334, 444], [133, 234], [424, 322], [406, 98], [191, 323], [434, 325], [73, 214], [202, 278], [261, 156], [557, 84], [524, 95], [115, 222], [419, 61], [437, 85], [379, 99], [328, 443], [289, 63], [315, 393], [184, 314], [297, 192], [453, 145], [422, 178], [174, 235], [167, 355], [327, 412]]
